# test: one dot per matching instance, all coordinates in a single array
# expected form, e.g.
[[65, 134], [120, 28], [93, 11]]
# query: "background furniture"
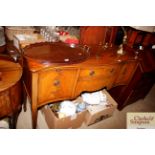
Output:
[[10, 90], [141, 82], [144, 76]]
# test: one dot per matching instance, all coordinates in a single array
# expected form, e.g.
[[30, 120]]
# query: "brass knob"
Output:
[[92, 73], [56, 83]]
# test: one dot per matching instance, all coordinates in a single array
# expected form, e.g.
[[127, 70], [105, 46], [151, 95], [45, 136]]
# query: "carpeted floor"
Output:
[[117, 121]]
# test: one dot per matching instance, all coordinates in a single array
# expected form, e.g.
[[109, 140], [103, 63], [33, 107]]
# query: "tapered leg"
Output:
[[34, 117], [34, 99], [24, 98], [24, 101], [13, 120]]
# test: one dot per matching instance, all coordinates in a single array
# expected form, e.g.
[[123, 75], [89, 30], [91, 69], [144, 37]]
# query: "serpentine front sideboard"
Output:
[[56, 71]]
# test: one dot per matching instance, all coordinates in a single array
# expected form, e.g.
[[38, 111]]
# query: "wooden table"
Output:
[[10, 90]]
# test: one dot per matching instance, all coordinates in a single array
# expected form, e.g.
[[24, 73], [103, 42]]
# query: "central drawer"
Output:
[[97, 72], [95, 78]]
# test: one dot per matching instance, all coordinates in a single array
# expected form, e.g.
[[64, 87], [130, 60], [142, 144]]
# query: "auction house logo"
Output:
[[140, 120]]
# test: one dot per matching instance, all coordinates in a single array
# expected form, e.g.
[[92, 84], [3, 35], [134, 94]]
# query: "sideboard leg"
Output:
[[24, 101], [34, 117], [24, 97], [13, 120], [34, 101]]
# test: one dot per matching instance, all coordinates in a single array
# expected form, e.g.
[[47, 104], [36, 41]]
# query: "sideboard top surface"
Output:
[[96, 56]]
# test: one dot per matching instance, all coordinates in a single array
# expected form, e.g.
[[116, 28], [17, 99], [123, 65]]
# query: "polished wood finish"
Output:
[[51, 82], [10, 90], [10, 73], [60, 82], [59, 53], [96, 77], [126, 73]]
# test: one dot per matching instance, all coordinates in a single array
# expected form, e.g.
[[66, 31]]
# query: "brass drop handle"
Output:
[[56, 83], [92, 73]]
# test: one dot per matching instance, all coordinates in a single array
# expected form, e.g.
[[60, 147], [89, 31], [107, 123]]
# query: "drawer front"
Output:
[[56, 84], [93, 79], [97, 72], [126, 72], [5, 107]]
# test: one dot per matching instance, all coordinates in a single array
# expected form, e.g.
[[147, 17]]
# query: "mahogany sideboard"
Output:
[[53, 72], [10, 90]]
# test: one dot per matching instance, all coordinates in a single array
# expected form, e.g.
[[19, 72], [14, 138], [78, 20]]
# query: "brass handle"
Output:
[[92, 73], [56, 83]]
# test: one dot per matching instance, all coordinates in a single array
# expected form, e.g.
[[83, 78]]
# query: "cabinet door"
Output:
[[126, 72], [56, 84], [142, 87], [95, 78]]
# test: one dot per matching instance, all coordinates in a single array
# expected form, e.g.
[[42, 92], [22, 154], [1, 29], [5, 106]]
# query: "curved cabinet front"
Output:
[[68, 82], [126, 72], [95, 78], [56, 84]]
